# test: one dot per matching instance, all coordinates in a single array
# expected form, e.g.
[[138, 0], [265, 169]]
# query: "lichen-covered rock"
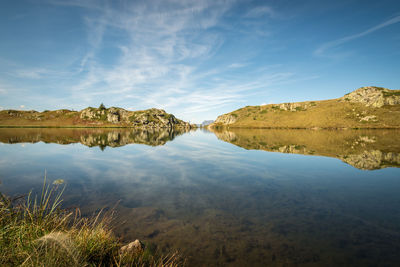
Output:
[[293, 106], [369, 118], [226, 119], [373, 96], [289, 106], [113, 117], [90, 113]]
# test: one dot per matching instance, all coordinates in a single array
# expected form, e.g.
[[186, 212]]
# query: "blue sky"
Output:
[[196, 59]]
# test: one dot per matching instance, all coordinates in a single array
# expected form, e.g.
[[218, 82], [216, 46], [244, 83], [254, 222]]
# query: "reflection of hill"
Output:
[[363, 149], [90, 137]]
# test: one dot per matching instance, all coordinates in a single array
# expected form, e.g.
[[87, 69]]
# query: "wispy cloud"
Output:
[[261, 11], [160, 54], [35, 73], [5, 88], [321, 51], [236, 65]]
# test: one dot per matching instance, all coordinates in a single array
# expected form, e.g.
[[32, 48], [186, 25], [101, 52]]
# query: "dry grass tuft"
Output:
[[37, 232]]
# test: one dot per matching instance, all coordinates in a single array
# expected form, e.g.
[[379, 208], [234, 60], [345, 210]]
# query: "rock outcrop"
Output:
[[226, 119], [373, 96], [296, 106]]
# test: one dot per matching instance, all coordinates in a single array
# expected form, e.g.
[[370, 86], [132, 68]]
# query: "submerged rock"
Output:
[[134, 247]]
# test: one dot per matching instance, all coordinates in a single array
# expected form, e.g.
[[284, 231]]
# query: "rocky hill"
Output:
[[366, 107], [93, 117]]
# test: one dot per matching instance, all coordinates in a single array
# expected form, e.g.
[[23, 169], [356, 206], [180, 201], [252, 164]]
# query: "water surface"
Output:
[[237, 197]]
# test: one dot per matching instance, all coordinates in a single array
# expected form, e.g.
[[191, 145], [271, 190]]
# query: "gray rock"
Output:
[[292, 106], [369, 118], [113, 117], [226, 119]]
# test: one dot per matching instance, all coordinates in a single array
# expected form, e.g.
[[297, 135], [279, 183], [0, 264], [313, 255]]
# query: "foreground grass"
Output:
[[37, 232]]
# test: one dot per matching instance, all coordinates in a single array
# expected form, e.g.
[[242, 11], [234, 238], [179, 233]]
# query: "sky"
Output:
[[195, 59]]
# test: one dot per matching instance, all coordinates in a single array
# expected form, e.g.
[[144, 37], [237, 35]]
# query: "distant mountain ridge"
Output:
[[366, 107], [93, 117], [206, 122]]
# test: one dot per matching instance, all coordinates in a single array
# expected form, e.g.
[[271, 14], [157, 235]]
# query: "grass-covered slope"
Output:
[[92, 117], [366, 107]]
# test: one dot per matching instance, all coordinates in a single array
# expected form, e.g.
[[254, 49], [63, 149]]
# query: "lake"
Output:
[[237, 197]]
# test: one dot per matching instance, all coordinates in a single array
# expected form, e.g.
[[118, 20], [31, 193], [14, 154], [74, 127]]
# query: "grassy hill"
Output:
[[366, 107], [92, 117]]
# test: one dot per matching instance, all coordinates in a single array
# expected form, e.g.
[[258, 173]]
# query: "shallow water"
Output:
[[237, 197]]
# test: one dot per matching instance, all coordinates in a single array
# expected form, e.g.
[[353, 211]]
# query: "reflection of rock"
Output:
[[367, 139], [227, 136], [373, 159], [117, 138], [92, 137], [367, 150], [294, 149]]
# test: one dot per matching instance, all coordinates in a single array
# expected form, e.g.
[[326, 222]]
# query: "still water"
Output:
[[237, 197]]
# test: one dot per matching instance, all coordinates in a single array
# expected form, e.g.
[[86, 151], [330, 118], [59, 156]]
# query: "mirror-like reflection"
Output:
[[220, 204], [101, 137], [363, 149]]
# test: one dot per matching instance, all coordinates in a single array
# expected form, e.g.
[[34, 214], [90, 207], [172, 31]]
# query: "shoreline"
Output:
[[208, 128], [301, 128], [83, 127]]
